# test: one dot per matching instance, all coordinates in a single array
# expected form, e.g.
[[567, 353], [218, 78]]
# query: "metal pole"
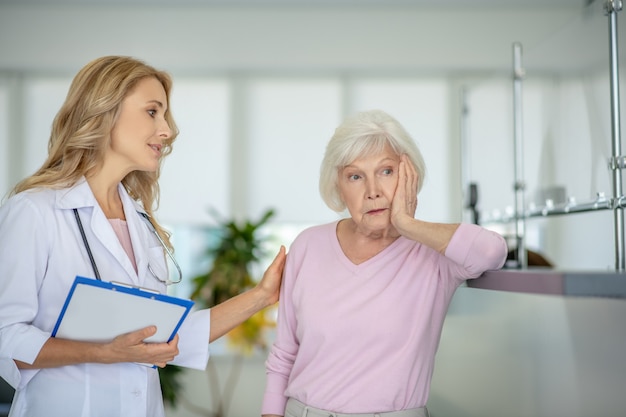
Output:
[[470, 191], [519, 186], [611, 8], [465, 154]]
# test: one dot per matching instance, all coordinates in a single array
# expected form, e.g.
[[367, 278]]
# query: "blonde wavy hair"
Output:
[[81, 131]]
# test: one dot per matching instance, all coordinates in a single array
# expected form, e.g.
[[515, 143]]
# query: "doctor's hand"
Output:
[[130, 347], [269, 286], [234, 311]]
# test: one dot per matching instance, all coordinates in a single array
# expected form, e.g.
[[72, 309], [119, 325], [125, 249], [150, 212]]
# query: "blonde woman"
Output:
[[88, 211]]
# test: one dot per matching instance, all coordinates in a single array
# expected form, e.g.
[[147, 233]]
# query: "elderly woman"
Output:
[[364, 298]]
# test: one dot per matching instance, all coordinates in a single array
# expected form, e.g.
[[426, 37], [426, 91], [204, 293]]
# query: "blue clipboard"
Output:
[[99, 311]]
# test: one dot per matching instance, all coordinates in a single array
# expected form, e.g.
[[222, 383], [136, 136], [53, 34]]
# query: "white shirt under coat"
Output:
[[41, 252]]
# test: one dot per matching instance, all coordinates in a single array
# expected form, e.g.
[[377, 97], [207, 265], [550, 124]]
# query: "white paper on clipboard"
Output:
[[99, 311]]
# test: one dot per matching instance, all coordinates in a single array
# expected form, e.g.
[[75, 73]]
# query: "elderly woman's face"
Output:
[[367, 186]]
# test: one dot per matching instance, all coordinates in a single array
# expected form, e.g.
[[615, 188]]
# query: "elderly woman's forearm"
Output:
[[434, 235]]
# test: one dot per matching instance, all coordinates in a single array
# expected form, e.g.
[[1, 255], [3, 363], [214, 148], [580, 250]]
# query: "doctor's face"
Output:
[[138, 134]]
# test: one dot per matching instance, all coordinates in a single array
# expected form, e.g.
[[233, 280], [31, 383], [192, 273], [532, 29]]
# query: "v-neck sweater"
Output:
[[363, 338]]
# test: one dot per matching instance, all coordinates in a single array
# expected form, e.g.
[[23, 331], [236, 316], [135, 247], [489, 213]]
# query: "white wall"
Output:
[[300, 38], [522, 355]]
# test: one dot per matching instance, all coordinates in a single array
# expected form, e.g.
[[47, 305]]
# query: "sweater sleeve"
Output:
[[285, 348], [476, 249]]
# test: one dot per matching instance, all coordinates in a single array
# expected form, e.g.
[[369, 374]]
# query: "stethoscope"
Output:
[[152, 228]]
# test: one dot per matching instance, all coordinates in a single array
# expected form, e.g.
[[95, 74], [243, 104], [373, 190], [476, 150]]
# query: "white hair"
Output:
[[363, 134]]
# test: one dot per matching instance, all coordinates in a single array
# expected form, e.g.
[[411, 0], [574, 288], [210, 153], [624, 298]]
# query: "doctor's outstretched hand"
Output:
[[272, 278], [231, 313]]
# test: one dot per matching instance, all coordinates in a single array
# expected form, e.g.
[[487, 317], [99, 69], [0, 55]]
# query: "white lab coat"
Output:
[[41, 252]]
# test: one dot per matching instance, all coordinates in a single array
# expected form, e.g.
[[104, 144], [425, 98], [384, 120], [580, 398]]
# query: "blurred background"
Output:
[[259, 87]]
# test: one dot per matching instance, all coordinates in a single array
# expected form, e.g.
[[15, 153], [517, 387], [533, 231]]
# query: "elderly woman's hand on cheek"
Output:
[[404, 201]]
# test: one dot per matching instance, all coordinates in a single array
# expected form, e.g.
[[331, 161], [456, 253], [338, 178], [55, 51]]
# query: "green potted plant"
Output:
[[238, 248]]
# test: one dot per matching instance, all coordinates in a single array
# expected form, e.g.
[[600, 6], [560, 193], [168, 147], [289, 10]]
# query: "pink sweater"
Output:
[[362, 338]]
